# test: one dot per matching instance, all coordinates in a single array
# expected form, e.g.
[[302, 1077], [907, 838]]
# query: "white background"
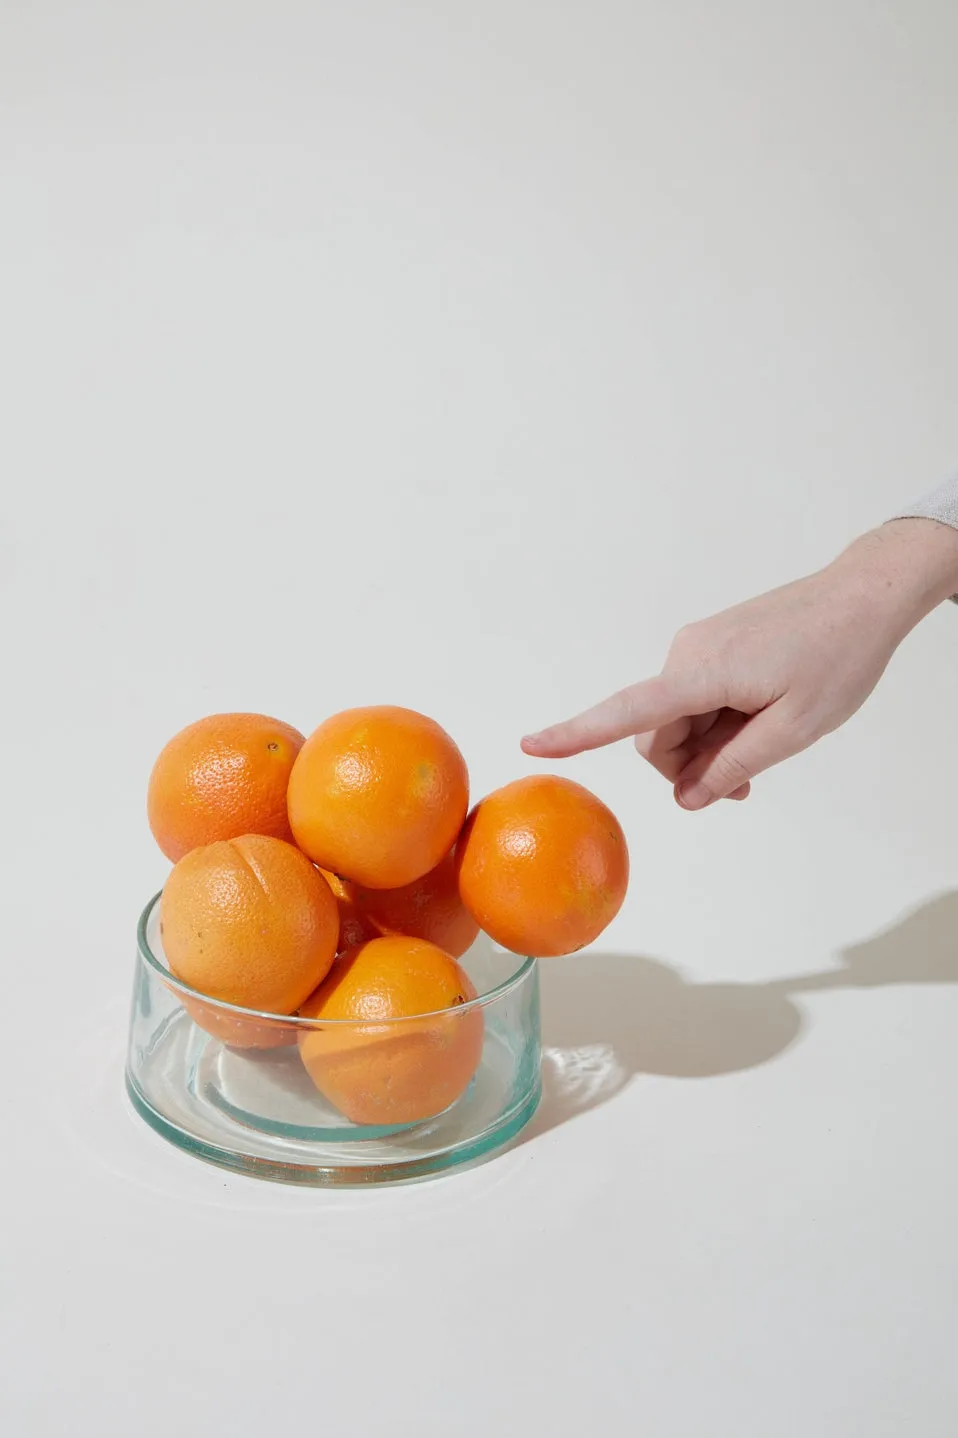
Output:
[[453, 355]]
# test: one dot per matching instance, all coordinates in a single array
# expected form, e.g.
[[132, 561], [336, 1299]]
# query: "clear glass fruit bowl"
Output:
[[332, 1103]]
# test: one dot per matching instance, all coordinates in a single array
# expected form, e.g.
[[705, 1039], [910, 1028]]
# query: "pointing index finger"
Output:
[[636, 710]]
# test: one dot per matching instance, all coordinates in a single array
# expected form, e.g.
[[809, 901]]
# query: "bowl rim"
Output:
[[526, 966]]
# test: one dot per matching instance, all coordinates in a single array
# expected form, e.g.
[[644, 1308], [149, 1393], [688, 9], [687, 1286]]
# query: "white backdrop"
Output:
[[453, 356]]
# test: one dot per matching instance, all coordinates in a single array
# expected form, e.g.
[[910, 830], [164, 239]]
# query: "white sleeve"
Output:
[[941, 504]]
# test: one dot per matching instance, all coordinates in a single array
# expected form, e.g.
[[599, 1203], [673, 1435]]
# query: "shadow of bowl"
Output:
[[608, 1017]]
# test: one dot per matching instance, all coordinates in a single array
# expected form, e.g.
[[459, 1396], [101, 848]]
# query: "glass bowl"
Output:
[[332, 1103]]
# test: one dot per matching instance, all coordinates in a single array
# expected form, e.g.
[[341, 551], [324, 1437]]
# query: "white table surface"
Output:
[[453, 356]]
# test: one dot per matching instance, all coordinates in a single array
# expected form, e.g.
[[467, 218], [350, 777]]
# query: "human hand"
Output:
[[758, 683]]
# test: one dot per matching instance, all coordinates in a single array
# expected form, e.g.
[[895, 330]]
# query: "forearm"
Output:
[[909, 566], [940, 506]]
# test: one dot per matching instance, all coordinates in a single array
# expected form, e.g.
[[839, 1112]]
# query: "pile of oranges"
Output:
[[341, 878]]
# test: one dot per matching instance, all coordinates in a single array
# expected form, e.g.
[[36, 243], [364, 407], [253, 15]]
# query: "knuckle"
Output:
[[686, 639], [729, 769], [700, 660]]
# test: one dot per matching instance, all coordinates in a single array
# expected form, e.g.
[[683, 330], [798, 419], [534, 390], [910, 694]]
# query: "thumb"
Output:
[[762, 742], [636, 710]]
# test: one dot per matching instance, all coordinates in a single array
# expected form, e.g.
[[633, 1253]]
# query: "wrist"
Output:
[[905, 569]]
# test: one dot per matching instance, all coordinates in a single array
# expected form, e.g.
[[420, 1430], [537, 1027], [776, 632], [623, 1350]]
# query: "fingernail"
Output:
[[693, 796]]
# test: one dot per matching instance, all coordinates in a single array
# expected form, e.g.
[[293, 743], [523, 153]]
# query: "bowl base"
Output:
[[336, 1174], [258, 1113]]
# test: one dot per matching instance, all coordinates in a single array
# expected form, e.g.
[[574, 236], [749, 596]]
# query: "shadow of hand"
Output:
[[921, 949], [607, 1017]]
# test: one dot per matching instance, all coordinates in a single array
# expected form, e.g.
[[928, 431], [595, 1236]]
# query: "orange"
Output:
[[236, 1030], [377, 1072], [429, 908], [249, 922], [543, 866], [378, 795], [219, 778], [354, 927]]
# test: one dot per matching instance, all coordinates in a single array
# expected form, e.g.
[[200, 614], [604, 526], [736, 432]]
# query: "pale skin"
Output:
[[758, 683]]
